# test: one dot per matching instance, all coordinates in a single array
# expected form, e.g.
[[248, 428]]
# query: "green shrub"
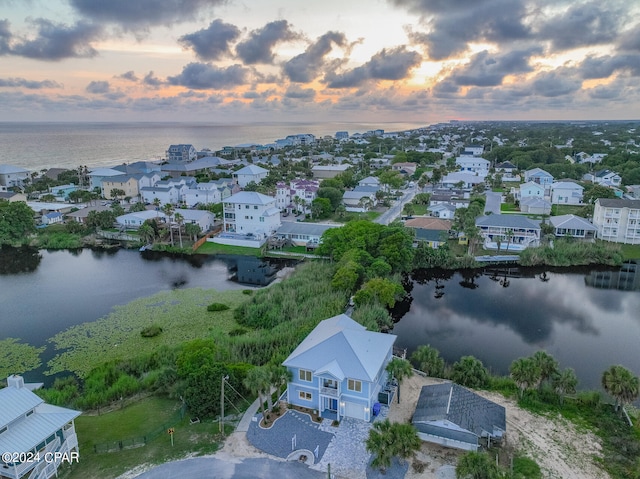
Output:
[[525, 467], [238, 332], [151, 331], [247, 291], [217, 307]]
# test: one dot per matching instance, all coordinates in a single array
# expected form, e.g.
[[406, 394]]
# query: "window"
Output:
[[354, 385], [304, 395], [255, 207], [246, 207], [304, 375]]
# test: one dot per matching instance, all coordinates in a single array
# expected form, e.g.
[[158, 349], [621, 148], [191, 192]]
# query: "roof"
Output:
[[250, 197], [15, 403], [342, 346], [331, 168], [104, 172], [251, 170], [567, 184], [429, 223], [618, 203], [535, 202], [507, 221], [571, 222], [369, 179], [537, 172], [530, 184], [462, 407], [311, 229], [356, 195], [7, 169], [428, 235], [143, 215], [193, 215]]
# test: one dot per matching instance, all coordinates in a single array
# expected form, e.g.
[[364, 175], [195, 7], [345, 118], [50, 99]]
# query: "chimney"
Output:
[[15, 381]]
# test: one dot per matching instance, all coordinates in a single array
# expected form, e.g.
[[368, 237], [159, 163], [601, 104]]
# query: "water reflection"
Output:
[[500, 314], [627, 278], [19, 260]]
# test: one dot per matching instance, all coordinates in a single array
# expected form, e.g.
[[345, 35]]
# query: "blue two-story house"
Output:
[[339, 369]]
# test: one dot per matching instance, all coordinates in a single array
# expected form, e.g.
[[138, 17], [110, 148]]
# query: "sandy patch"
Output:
[[561, 450]]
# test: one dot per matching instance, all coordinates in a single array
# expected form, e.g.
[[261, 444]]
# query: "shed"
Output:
[[451, 415]]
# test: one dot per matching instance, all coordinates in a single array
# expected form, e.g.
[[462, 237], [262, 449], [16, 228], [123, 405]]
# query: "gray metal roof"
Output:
[[440, 404], [507, 221], [618, 203], [340, 344], [312, 229], [15, 403], [571, 222], [250, 198]]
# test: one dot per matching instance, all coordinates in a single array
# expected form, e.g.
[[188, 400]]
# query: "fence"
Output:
[[140, 441], [204, 239]]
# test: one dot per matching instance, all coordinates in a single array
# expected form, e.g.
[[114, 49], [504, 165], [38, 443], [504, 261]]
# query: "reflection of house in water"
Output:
[[252, 270], [626, 279]]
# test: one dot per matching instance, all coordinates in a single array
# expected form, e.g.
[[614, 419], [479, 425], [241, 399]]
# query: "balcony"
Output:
[[326, 391]]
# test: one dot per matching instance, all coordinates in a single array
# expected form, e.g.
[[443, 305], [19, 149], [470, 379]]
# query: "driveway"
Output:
[[493, 203]]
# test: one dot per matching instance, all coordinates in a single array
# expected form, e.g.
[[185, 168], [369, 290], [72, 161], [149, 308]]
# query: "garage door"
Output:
[[355, 410]]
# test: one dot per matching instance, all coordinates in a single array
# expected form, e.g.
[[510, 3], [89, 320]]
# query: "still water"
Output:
[[588, 320], [43, 293]]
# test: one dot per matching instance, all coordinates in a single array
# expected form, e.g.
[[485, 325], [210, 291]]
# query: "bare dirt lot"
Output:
[[559, 448]]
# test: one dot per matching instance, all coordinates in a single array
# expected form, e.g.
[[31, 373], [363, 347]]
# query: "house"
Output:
[[96, 176], [31, 428], [297, 195], [472, 164], [359, 201], [206, 164], [513, 231], [566, 193], [181, 153], [328, 171], [405, 168], [461, 179], [203, 218], [126, 183], [51, 218], [135, 220], [11, 196], [538, 175], [573, 226], [251, 213], [433, 231], [506, 168], [453, 416], [339, 369], [80, 216], [474, 150], [617, 220], [445, 211], [12, 175], [301, 234], [370, 181], [250, 174], [606, 178], [535, 206], [528, 190], [170, 191]]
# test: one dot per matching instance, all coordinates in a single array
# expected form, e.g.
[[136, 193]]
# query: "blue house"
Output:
[[181, 153], [538, 175], [339, 369]]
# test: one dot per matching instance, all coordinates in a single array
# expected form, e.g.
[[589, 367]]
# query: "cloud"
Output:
[[98, 87], [630, 40], [54, 41], [151, 80], [5, 37], [29, 84], [556, 83], [604, 66], [298, 93], [453, 24], [130, 75], [582, 24], [132, 14], [258, 48], [211, 43], [204, 76], [487, 69], [393, 64], [305, 67]]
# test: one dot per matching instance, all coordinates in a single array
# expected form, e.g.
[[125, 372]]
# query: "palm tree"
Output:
[[564, 382], [146, 233], [379, 443], [525, 372], [427, 359], [399, 369], [509, 234], [192, 230], [167, 209], [477, 465], [405, 440], [179, 219], [470, 372], [547, 364], [621, 384], [258, 381]]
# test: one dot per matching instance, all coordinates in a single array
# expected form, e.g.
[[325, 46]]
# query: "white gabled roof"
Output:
[[15, 403], [342, 347], [571, 222], [7, 169], [529, 184], [251, 170], [250, 198], [570, 185]]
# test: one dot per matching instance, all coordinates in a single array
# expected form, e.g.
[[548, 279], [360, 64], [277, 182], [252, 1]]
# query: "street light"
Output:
[[224, 378]]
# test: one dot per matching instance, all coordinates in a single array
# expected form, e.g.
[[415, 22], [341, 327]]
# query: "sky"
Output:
[[233, 61]]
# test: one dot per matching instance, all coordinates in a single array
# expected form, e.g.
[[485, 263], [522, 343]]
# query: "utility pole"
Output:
[[224, 378]]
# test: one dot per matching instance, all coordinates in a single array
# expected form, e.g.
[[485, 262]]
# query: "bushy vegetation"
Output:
[[17, 357], [567, 252], [217, 307], [151, 331]]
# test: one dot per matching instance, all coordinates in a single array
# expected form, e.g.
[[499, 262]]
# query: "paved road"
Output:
[[493, 203], [395, 211], [214, 468]]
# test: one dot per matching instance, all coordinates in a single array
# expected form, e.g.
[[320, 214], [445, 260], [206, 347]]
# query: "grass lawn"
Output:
[[213, 248], [559, 210], [419, 210], [139, 419], [182, 314], [631, 251], [508, 207]]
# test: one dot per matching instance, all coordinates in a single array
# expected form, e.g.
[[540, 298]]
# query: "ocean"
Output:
[[38, 146]]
